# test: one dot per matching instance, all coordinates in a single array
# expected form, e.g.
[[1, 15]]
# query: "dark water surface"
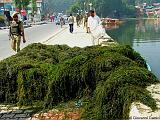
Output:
[[143, 36]]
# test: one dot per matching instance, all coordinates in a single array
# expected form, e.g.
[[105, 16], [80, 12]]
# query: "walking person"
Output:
[[78, 20], [71, 23], [94, 27], [16, 32], [62, 21], [86, 22]]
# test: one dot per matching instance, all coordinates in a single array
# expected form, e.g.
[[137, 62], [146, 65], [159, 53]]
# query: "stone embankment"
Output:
[[140, 111]]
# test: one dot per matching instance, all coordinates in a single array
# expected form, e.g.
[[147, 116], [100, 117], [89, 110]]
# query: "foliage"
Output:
[[1, 19], [58, 5], [74, 8], [111, 8], [34, 6], [112, 98], [109, 78], [21, 3]]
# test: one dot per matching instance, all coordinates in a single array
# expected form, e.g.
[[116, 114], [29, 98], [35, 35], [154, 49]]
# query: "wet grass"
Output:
[[106, 79]]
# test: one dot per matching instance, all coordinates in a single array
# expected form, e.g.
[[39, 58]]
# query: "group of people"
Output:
[[79, 19], [62, 21], [92, 23]]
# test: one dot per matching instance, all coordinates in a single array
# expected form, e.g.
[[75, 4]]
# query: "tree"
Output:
[[112, 8], [34, 6], [59, 5], [115, 8], [75, 7], [21, 3]]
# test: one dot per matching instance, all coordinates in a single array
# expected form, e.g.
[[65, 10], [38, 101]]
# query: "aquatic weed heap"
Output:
[[110, 78]]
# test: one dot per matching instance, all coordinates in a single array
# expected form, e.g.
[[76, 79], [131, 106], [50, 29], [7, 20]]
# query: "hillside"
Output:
[[59, 5]]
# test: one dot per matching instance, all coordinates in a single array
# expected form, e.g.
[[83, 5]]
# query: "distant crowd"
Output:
[[90, 21]]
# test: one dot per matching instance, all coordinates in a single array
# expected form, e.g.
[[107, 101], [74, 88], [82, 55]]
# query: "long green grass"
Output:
[[109, 78]]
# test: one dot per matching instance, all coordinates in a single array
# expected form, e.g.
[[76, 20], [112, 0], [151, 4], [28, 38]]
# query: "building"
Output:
[[6, 5], [39, 7], [37, 16], [39, 10]]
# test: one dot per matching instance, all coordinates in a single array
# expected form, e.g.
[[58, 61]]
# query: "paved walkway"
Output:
[[26, 26], [8, 112], [78, 38]]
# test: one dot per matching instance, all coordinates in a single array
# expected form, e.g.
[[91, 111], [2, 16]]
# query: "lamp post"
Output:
[[3, 7], [84, 6], [90, 4], [44, 4]]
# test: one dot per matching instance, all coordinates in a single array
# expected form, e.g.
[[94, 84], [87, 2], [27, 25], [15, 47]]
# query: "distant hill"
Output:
[[59, 5], [110, 8]]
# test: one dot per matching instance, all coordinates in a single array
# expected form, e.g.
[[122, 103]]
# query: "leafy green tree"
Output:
[[58, 5], [116, 8], [112, 8], [21, 3], [76, 7], [34, 6]]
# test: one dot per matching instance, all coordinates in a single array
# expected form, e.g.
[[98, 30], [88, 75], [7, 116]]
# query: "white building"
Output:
[[37, 16], [6, 5], [9, 6], [39, 10]]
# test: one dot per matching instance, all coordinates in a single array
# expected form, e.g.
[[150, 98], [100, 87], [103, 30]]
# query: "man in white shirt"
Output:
[[71, 23], [94, 26], [93, 21]]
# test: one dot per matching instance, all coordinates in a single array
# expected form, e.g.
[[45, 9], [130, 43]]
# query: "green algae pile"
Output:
[[109, 78]]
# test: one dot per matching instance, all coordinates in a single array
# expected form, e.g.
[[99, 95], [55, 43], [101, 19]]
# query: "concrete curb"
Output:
[[25, 26], [39, 23], [55, 34], [2, 28]]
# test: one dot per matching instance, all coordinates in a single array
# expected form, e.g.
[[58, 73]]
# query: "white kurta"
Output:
[[94, 23]]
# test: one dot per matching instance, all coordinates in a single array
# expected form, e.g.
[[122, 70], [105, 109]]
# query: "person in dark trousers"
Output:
[[71, 23], [78, 20], [86, 22], [61, 21]]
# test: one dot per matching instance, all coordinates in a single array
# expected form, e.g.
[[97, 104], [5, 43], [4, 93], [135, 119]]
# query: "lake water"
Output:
[[143, 36]]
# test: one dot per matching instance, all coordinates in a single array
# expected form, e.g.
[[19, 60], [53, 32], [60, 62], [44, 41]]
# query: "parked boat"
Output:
[[111, 21]]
